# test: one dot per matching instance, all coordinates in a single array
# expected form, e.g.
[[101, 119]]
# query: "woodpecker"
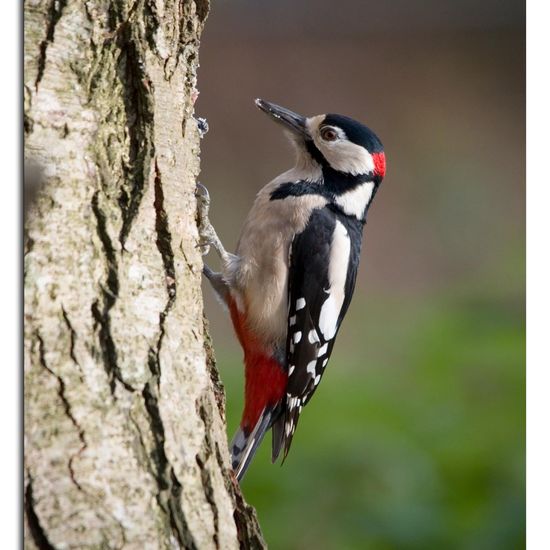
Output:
[[290, 281]]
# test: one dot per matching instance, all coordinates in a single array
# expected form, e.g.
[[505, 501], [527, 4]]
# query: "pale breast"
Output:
[[259, 278]]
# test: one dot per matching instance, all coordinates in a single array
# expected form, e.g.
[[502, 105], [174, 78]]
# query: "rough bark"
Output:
[[125, 443]]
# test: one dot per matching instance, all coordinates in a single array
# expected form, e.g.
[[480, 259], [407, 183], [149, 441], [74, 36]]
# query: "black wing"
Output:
[[322, 272]]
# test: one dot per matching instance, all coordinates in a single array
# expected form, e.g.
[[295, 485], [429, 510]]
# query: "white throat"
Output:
[[354, 202]]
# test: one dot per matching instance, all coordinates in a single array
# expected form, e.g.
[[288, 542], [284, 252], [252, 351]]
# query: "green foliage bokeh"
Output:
[[415, 438]]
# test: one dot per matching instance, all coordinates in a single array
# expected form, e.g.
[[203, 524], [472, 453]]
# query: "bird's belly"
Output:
[[259, 279], [263, 294], [266, 303]]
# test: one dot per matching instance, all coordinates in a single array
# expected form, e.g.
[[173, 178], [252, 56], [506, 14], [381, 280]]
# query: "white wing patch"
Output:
[[337, 274], [328, 318]]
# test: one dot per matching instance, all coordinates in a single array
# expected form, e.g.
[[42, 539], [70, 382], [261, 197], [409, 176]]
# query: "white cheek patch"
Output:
[[354, 202], [345, 156], [337, 274]]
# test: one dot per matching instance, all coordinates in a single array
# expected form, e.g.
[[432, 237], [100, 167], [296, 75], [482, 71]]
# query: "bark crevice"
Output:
[[170, 489], [61, 392], [54, 15], [206, 477], [72, 344], [164, 242], [101, 313], [37, 532], [139, 108], [169, 494]]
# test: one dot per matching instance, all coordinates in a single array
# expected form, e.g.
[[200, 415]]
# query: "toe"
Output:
[[202, 192]]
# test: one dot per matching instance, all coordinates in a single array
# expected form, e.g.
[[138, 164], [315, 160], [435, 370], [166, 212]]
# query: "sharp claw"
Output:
[[204, 247], [202, 191]]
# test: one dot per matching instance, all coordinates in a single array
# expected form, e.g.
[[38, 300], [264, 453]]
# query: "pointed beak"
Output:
[[290, 120]]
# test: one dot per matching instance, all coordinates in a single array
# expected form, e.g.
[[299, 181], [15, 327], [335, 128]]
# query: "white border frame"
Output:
[[538, 275], [11, 284]]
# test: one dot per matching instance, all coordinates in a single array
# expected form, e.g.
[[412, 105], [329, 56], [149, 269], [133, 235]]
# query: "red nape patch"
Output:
[[379, 164], [265, 379]]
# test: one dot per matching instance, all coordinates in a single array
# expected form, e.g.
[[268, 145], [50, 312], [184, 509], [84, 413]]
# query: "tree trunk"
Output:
[[125, 443]]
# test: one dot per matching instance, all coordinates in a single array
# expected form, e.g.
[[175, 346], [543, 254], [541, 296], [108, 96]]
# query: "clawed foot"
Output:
[[204, 225], [207, 234]]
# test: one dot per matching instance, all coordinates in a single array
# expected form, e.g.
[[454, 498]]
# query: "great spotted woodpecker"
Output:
[[291, 279]]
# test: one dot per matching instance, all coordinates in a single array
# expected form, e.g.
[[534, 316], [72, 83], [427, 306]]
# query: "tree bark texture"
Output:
[[125, 443]]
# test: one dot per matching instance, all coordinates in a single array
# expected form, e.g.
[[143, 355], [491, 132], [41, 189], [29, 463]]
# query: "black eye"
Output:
[[328, 134]]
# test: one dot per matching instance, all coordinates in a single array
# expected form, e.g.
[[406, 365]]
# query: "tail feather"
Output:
[[277, 434], [244, 447]]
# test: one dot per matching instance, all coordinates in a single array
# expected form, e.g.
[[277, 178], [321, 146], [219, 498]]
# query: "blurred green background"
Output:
[[416, 437]]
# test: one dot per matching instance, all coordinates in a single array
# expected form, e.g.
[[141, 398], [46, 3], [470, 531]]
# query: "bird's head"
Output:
[[336, 143]]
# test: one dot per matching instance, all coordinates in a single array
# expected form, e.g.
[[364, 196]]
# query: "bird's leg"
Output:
[[207, 233], [208, 237]]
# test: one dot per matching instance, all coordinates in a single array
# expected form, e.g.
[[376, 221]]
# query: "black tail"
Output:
[[244, 447]]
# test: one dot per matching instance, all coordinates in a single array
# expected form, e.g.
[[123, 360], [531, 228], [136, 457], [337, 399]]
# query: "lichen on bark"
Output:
[[124, 424]]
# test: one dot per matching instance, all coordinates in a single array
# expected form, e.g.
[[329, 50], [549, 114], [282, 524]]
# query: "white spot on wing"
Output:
[[300, 304], [292, 320], [313, 337], [311, 367], [322, 350], [291, 369], [297, 336]]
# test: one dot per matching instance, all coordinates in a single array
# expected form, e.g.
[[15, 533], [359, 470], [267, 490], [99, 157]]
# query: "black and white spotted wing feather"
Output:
[[323, 267]]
